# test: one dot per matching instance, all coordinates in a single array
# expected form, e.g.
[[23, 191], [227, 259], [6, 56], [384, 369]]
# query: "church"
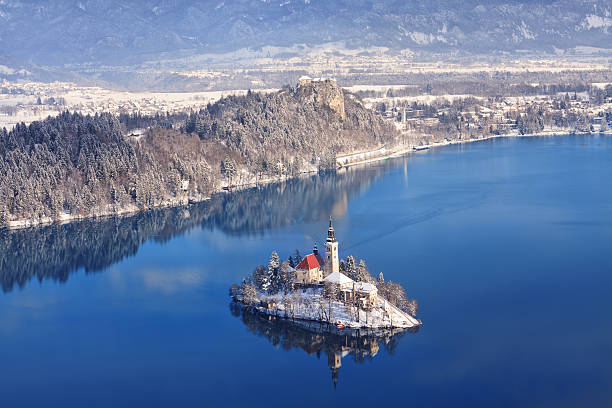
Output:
[[313, 268]]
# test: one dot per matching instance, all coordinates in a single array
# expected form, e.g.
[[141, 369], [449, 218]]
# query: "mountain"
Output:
[[63, 32]]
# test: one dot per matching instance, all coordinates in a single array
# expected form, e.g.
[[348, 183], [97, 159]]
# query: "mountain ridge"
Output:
[[118, 32]]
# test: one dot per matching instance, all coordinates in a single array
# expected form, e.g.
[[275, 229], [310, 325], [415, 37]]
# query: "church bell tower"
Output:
[[332, 264]]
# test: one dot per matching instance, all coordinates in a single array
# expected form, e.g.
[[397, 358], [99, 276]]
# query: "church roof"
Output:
[[338, 278], [309, 262], [331, 237]]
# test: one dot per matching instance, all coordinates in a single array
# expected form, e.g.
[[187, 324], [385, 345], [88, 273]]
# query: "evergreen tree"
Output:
[[274, 262], [351, 267], [297, 258], [3, 218], [287, 277], [260, 277], [363, 275]]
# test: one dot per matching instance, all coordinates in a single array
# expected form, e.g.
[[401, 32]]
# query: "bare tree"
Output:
[[330, 294]]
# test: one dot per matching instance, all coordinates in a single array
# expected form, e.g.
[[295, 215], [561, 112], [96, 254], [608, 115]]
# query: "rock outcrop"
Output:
[[323, 92]]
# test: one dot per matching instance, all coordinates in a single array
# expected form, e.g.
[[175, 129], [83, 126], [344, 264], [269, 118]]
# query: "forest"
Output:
[[75, 166]]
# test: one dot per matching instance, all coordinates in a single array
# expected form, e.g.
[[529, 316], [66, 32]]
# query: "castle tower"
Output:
[[332, 264]]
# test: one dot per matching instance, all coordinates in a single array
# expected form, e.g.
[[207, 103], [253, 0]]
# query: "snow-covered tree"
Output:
[[3, 218], [287, 276], [411, 307], [270, 279], [351, 267], [261, 277], [362, 273], [274, 261], [249, 293], [228, 168], [297, 257]]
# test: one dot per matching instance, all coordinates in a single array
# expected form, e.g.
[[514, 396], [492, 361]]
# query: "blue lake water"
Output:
[[506, 244]]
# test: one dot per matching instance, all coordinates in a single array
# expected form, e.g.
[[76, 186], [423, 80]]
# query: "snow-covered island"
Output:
[[338, 292]]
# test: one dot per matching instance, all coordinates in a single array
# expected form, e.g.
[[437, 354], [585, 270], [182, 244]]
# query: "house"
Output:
[[267, 303], [366, 293], [343, 282], [308, 271], [348, 289]]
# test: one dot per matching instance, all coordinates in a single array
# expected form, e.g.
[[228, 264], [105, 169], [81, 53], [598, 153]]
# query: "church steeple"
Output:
[[330, 232], [332, 264]]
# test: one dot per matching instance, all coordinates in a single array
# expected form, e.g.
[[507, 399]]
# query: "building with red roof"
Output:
[[309, 270]]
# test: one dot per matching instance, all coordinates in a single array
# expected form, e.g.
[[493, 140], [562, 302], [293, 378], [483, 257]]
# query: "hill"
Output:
[[75, 166]]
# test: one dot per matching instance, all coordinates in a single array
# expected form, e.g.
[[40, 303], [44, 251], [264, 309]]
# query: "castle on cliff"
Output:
[[323, 92]]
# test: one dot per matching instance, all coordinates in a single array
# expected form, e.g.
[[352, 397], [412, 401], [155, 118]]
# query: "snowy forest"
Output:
[[75, 166]]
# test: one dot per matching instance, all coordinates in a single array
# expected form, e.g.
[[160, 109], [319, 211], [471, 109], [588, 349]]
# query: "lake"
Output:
[[506, 244]]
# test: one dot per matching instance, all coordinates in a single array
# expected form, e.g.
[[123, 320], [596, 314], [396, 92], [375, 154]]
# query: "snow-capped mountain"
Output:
[[56, 32]]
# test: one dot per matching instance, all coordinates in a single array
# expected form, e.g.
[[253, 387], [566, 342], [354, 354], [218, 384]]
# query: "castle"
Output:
[[322, 92]]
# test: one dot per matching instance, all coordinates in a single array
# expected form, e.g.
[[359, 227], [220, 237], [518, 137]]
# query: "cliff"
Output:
[[322, 92]]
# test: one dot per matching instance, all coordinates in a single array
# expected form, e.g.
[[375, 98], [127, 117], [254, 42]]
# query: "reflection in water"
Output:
[[56, 251], [320, 338]]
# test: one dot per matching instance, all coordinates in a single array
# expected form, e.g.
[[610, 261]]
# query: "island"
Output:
[[339, 293]]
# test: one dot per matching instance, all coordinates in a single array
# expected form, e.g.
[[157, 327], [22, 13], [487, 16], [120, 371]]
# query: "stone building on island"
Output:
[[312, 269], [308, 271]]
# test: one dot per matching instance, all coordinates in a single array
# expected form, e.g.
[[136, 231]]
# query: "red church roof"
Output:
[[309, 262]]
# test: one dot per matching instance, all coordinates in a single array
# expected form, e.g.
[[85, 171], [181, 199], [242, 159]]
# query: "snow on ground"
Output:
[[91, 100], [309, 304]]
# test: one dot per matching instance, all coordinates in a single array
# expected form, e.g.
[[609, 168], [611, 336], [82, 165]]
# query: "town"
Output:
[[435, 107], [324, 289]]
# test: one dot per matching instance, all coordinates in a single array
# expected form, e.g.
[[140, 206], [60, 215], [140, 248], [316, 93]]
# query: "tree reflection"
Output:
[[317, 338], [55, 252]]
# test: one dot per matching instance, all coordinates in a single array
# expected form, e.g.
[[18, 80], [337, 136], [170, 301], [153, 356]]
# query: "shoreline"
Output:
[[133, 210], [370, 156], [404, 150], [348, 325]]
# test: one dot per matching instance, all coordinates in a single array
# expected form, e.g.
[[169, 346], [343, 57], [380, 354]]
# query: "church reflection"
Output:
[[321, 339], [55, 252]]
